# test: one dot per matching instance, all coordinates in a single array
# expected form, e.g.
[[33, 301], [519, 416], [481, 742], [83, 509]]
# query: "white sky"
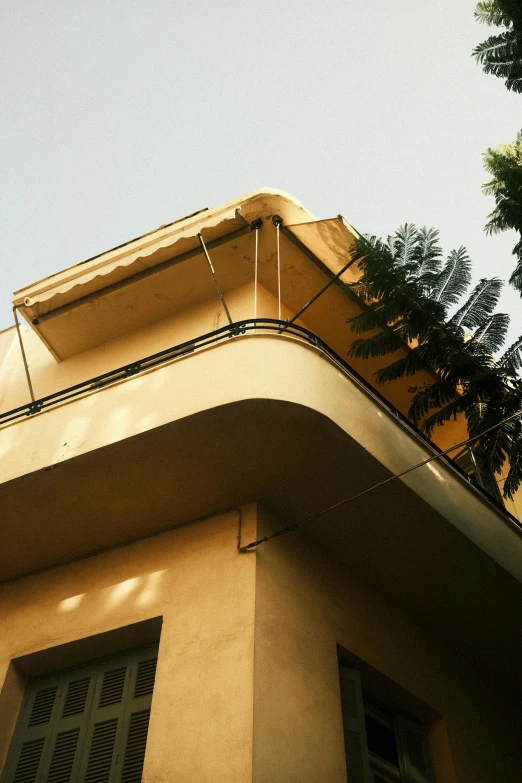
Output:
[[120, 115]]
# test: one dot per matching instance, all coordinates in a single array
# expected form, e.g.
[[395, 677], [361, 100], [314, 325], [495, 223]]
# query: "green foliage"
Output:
[[454, 279], [406, 292], [504, 164], [501, 54]]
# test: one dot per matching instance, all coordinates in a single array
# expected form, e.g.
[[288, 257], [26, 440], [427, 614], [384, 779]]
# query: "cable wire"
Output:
[[294, 525]]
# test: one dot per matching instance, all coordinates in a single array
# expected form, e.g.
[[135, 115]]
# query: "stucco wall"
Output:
[[201, 721], [247, 685], [305, 606]]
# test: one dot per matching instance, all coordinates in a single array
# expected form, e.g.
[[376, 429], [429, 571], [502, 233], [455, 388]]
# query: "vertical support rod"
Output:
[[218, 288], [255, 273], [277, 220], [26, 366], [278, 276]]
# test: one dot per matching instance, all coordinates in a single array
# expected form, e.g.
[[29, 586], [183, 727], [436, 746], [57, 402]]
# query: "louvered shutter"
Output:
[[356, 747], [117, 733], [136, 719], [85, 726], [51, 729], [414, 757], [61, 763], [32, 734]]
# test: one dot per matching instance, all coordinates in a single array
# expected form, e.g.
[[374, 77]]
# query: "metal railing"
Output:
[[465, 462]]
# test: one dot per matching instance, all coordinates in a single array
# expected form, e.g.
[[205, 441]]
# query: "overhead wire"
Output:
[[293, 526]]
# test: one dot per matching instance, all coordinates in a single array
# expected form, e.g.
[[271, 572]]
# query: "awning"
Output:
[[330, 241], [144, 281], [43, 298]]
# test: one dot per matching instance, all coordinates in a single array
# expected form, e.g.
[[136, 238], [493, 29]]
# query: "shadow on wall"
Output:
[[122, 585]]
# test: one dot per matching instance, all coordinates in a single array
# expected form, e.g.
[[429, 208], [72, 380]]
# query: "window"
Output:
[[87, 725], [381, 746]]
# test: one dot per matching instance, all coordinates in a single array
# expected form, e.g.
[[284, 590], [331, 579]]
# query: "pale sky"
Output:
[[121, 115]]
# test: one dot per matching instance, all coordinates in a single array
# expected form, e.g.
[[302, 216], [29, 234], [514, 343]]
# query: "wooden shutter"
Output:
[[51, 729], [356, 747], [117, 733], [85, 726], [414, 757], [136, 720]]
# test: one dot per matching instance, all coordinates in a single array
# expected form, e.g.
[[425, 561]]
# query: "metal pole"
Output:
[[26, 366], [321, 292], [277, 221], [220, 293], [255, 274]]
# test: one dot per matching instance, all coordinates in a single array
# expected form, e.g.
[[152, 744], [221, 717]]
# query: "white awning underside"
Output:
[[92, 276]]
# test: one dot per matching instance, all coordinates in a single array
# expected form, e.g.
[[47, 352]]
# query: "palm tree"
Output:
[[501, 54], [505, 166], [410, 296]]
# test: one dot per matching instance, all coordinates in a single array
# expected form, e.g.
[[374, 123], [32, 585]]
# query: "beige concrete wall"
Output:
[[305, 606], [201, 722], [247, 685]]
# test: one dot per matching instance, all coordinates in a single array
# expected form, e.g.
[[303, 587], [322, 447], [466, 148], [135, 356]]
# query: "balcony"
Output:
[[467, 459], [260, 412]]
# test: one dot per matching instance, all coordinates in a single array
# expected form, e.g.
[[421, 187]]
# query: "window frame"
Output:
[[410, 737]]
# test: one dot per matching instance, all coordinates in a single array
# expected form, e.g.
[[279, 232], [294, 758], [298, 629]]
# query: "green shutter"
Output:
[[105, 722], [356, 747], [85, 726], [136, 720], [414, 757], [115, 746], [51, 728], [32, 734]]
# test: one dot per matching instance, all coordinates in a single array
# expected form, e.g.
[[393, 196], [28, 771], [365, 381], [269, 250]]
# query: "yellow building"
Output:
[[167, 417]]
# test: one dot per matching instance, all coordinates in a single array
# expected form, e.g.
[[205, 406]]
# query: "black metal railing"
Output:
[[265, 325], [161, 357]]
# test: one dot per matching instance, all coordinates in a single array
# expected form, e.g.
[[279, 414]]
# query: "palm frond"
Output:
[[427, 253], [501, 54], [371, 317], [403, 367], [449, 411], [479, 305], [452, 282], [405, 244], [380, 344], [512, 358], [492, 333], [489, 12]]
